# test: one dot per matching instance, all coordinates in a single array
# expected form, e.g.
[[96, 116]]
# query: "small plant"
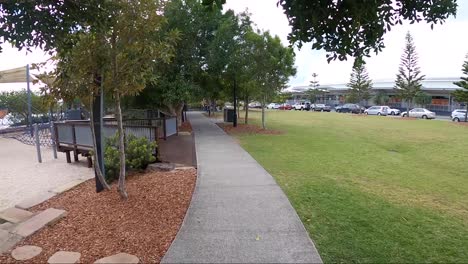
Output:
[[138, 154]]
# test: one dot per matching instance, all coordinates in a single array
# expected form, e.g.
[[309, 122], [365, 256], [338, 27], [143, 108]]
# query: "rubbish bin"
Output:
[[229, 115]]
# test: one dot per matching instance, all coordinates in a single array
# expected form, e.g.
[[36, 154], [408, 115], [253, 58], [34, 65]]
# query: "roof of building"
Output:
[[444, 83]]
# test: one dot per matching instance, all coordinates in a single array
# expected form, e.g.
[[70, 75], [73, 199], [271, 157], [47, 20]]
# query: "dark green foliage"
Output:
[[381, 98], [138, 154], [17, 104], [423, 99], [360, 84], [355, 28], [409, 77], [461, 95]]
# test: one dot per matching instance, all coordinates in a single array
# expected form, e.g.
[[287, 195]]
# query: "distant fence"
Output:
[[76, 136]]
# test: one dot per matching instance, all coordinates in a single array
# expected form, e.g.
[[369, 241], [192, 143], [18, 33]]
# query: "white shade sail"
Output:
[[17, 75]]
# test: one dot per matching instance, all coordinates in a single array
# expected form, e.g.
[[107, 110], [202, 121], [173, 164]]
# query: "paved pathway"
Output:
[[22, 177], [238, 213]]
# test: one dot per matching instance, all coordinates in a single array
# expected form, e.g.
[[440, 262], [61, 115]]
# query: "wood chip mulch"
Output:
[[247, 129], [100, 225], [185, 127]]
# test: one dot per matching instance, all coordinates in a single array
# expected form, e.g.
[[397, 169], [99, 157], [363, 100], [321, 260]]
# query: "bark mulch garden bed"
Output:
[[100, 225], [247, 129], [185, 127]]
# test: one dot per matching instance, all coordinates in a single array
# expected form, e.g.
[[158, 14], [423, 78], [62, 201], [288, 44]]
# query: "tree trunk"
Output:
[[466, 114], [238, 109], [407, 108], [246, 107], [120, 130], [263, 112], [97, 165]]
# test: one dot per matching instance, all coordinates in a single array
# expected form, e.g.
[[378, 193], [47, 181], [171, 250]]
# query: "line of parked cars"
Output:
[[458, 115]]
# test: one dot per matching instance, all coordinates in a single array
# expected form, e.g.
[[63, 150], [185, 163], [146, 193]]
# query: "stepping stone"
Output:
[[38, 199], [37, 222], [6, 226], [161, 167], [15, 215], [64, 257], [26, 252], [7, 241], [67, 186], [119, 258]]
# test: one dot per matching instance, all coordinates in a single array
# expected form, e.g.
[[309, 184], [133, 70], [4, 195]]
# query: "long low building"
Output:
[[440, 89]]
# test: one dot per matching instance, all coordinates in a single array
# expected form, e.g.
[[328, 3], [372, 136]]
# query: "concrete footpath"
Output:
[[238, 213]]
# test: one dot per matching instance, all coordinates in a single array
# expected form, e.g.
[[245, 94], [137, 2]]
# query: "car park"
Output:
[[458, 115], [285, 107], [377, 110], [393, 111], [419, 113], [255, 105], [273, 106], [321, 107], [302, 106], [350, 108]]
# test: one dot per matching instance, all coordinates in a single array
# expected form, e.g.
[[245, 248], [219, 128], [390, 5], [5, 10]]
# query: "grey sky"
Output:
[[441, 51]]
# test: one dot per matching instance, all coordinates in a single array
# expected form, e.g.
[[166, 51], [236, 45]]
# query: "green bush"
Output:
[[138, 154]]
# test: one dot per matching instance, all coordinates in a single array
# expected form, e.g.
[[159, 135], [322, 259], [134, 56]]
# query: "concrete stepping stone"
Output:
[[26, 252], [67, 186], [6, 226], [7, 240], [37, 222], [15, 215], [33, 201], [64, 257], [118, 258]]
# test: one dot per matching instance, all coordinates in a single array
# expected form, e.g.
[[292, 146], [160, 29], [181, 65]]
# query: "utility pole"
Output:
[[234, 120], [98, 107], [30, 121]]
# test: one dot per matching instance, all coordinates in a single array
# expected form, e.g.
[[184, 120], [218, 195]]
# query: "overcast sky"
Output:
[[441, 51]]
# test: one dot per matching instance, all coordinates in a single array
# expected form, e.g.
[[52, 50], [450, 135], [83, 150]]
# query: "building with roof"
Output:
[[440, 89]]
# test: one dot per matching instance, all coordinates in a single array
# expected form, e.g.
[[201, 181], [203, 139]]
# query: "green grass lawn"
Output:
[[371, 189]]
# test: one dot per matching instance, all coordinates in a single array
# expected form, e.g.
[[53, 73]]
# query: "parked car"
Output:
[[377, 110], [350, 108], [458, 115], [285, 107], [393, 111], [419, 113], [302, 106], [273, 106], [255, 105], [321, 107]]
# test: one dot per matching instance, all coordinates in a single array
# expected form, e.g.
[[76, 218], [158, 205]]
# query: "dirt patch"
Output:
[[185, 127], [461, 123], [100, 225], [247, 129]]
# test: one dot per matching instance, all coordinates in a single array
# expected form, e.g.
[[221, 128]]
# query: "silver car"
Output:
[[458, 115], [377, 110], [419, 113]]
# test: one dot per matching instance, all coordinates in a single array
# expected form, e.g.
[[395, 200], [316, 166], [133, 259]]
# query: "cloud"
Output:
[[441, 51]]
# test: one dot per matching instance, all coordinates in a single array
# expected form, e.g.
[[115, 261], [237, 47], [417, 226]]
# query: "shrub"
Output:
[[138, 154]]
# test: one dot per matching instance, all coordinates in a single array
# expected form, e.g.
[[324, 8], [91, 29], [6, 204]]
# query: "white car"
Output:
[[273, 106], [419, 113], [458, 115], [301, 106], [393, 111], [377, 110]]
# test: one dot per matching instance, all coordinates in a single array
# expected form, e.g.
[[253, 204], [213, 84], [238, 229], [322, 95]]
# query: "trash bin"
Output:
[[229, 114]]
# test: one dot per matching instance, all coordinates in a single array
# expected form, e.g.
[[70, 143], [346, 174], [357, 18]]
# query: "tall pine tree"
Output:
[[360, 84], [313, 91], [461, 95], [409, 77]]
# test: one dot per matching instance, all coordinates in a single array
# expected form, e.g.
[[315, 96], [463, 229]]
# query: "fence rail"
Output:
[[76, 136]]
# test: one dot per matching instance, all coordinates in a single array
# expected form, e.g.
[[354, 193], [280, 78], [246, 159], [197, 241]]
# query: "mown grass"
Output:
[[372, 189]]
